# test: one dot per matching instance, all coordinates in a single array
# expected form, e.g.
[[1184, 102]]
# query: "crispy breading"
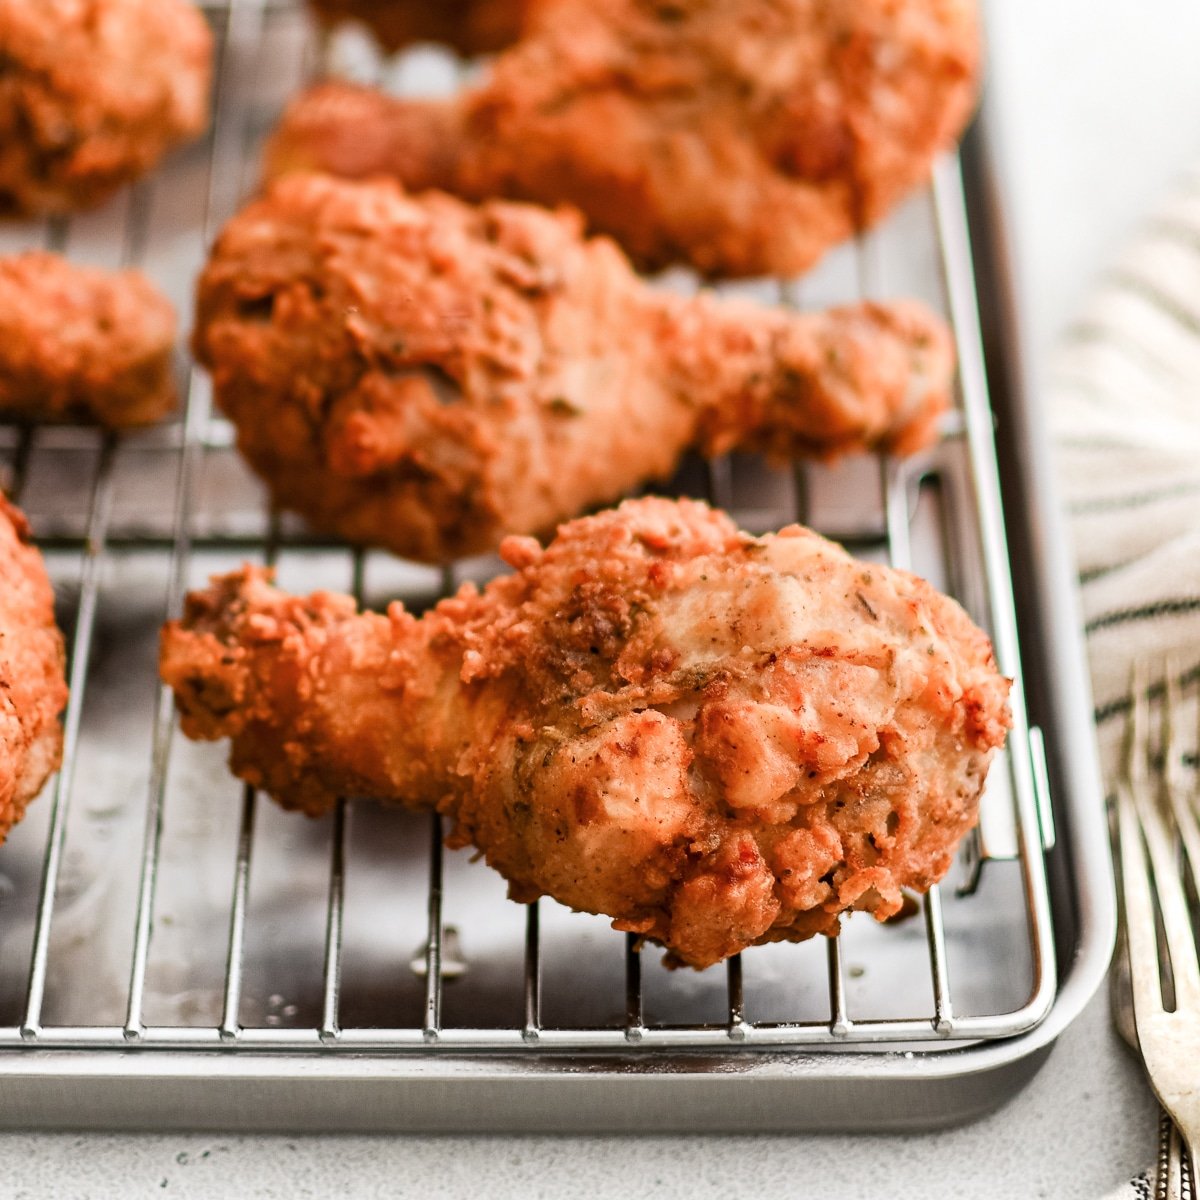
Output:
[[744, 137], [93, 93], [714, 739], [426, 375], [32, 688], [470, 26], [81, 344]]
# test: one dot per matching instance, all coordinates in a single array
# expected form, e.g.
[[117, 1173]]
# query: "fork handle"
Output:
[[1187, 1174], [1174, 1174]]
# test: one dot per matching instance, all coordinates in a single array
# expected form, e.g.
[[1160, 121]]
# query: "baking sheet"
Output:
[[110, 800]]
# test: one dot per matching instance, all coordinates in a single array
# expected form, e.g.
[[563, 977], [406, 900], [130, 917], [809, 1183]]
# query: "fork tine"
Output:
[[1189, 831], [1183, 801], [1135, 871], [1168, 877], [1172, 752], [1137, 735]]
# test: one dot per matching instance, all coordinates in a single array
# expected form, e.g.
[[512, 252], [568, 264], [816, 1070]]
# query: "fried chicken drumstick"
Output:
[[80, 344], [470, 26], [32, 688], [93, 93], [426, 375], [744, 137], [714, 739]]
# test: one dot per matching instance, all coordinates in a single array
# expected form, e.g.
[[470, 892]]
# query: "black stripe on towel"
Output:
[[1096, 333], [1079, 379], [1114, 708], [1177, 230], [1147, 612], [1109, 504], [1094, 573], [1136, 285], [1106, 442]]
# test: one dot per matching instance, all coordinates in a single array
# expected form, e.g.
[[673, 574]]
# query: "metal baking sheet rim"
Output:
[[752, 1093], [759, 1091]]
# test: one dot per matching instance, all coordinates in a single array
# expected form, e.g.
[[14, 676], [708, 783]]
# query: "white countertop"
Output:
[[1099, 101]]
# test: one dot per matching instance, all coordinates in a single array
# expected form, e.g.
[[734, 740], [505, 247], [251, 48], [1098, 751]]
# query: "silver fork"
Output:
[[1172, 1172], [1156, 816]]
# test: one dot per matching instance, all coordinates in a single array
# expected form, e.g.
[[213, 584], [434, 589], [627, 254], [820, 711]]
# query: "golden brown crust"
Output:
[[470, 26], [418, 143], [80, 344], [743, 138], [32, 688], [714, 739], [93, 93], [426, 375]]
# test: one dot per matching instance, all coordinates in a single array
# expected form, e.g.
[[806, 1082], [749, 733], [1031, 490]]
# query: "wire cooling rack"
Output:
[[151, 903]]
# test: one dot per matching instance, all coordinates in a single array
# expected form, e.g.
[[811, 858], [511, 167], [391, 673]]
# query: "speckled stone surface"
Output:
[[1099, 98]]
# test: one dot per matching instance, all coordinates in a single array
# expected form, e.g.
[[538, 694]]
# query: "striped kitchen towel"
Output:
[[1124, 401], [1124, 408]]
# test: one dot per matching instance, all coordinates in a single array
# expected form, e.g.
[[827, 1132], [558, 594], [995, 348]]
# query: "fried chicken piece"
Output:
[[470, 26], [79, 344], [32, 688], [744, 137], [717, 740], [93, 93], [425, 375]]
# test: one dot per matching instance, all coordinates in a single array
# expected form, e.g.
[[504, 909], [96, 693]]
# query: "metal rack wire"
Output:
[[96, 544]]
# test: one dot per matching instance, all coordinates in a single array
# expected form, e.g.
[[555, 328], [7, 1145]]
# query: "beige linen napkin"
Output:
[[1124, 401], [1124, 397]]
